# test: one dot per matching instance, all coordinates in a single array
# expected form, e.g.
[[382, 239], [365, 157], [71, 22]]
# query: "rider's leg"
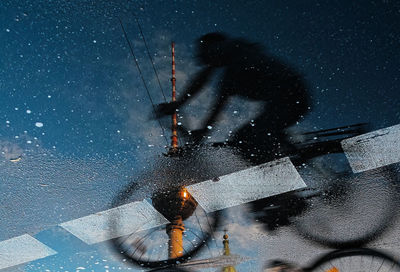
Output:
[[264, 138]]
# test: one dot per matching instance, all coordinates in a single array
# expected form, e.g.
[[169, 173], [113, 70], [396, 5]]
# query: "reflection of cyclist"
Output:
[[250, 74]]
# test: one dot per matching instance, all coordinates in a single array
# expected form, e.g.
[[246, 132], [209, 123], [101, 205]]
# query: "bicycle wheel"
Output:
[[149, 245], [355, 260], [153, 247], [350, 209]]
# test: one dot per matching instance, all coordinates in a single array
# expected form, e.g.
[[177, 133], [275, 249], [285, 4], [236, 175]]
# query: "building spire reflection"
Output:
[[227, 252]]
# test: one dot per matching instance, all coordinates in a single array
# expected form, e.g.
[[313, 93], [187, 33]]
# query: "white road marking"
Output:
[[130, 218], [364, 152], [374, 149], [22, 249], [268, 179]]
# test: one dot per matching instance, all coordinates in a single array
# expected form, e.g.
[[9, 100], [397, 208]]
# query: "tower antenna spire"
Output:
[[174, 137]]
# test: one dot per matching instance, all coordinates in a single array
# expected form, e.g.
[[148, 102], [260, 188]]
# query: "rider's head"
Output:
[[210, 48]]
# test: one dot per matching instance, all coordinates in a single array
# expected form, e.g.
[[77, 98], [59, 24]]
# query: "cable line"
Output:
[[152, 62], [149, 55], [142, 77]]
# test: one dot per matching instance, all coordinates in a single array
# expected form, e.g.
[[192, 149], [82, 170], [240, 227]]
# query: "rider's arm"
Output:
[[195, 85], [192, 89], [216, 110], [198, 134]]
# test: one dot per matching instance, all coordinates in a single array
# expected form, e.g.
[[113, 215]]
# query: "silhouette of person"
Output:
[[250, 74]]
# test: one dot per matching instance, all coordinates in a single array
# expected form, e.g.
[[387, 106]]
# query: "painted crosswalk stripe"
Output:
[[22, 249], [374, 149], [272, 178], [131, 217]]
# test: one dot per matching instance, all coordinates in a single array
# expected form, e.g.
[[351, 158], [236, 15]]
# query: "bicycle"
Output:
[[335, 207], [329, 195]]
